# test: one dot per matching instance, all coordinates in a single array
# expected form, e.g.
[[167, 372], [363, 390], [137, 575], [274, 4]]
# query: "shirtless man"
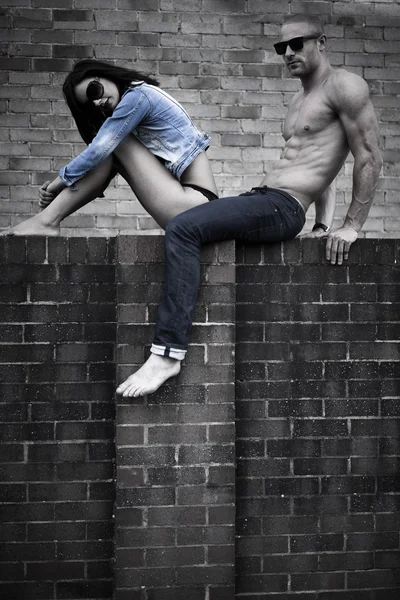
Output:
[[329, 116]]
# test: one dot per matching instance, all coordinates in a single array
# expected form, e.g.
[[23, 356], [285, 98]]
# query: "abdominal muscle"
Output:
[[314, 153], [306, 180]]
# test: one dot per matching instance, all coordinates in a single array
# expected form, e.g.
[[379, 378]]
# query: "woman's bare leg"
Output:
[[199, 172], [160, 193], [48, 221]]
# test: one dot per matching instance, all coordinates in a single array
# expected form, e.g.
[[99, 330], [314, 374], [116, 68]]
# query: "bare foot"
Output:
[[155, 371], [33, 226]]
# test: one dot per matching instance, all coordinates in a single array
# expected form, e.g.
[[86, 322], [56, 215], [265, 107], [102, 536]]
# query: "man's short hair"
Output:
[[315, 23]]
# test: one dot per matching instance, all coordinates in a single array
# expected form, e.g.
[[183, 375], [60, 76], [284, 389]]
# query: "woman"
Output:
[[108, 103]]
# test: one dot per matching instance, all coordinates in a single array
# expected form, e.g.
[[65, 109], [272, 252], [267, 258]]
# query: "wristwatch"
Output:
[[320, 226]]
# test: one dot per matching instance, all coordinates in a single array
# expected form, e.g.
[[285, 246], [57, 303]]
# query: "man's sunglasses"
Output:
[[294, 44], [94, 91]]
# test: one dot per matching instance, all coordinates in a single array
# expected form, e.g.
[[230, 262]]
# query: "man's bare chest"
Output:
[[309, 115]]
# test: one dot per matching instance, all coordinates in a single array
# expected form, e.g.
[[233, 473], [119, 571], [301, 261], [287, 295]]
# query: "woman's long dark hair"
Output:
[[88, 120]]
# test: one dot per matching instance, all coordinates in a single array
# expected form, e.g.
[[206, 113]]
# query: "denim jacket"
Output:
[[156, 119]]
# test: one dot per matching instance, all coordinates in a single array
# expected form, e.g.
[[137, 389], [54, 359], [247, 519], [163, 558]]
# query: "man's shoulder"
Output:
[[347, 81], [344, 86]]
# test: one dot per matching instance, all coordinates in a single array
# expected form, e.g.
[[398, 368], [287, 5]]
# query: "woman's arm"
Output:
[[131, 110]]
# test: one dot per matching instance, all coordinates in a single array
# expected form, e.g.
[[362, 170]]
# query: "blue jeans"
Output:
[[262, 215]]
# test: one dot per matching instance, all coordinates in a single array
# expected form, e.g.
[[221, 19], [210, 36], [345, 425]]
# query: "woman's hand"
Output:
[[45, 196], [49, 190]]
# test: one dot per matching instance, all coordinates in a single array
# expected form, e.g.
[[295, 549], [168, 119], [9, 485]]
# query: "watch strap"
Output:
[[320, 226]]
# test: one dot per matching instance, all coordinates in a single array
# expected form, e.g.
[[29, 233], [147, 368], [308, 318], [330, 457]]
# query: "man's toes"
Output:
[[124, 386], [130, 391]]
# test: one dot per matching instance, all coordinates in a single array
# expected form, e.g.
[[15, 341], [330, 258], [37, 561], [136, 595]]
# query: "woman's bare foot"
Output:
[[33, 226], [155, 371]]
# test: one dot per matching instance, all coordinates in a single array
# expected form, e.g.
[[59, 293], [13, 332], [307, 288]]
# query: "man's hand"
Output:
[[318, 233], [338, 244]]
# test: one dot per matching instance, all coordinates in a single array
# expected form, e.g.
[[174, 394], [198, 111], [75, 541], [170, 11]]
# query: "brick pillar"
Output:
[[175, 449], [317, 392], [57, 322]]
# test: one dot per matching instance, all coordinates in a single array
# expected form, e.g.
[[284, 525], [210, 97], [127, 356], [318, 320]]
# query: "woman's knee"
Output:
[[130, 146]]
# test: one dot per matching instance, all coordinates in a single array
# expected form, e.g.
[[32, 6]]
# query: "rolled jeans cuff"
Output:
[[175, 353]]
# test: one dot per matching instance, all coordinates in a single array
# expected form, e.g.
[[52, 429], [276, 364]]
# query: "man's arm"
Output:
[[350, 96], [324, 212]]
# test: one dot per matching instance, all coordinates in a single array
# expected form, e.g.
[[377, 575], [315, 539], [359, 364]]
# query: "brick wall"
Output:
[[314, 389], [213, 56]]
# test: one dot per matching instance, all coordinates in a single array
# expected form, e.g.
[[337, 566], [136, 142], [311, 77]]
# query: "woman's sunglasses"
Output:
[[294, 44], [94, 91]]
